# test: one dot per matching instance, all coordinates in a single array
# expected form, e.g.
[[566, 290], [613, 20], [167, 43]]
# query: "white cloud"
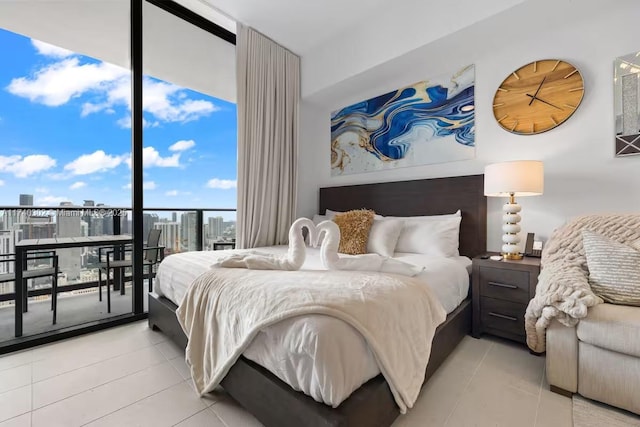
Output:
[[25, 166], [1, 183], [51, 201], [56, 84], [222, 184], [97, 161], [125, 123], [47, 49], [163, 101], [146, 185], [182, 145], [171, 193], [42, 190], [151, 157], [77, 185], [109, 85]]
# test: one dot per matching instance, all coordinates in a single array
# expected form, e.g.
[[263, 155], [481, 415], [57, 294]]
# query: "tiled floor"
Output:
[[72, 310], [132, 376]]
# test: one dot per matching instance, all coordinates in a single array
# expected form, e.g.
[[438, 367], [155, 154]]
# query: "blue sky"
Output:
[[65, 133]]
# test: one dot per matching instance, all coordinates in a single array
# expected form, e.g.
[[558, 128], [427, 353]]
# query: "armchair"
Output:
[[592, 348]]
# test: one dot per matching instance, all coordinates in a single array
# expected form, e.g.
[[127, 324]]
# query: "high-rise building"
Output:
[[170, 235], [216, 227], [36, 227], [148, 221], [7, 245], [188, 231], [174, 216], [69, 225], [26, 200], [8, 239], [88, 218]]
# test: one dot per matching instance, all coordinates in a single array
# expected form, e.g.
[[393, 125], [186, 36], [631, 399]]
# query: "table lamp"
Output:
[[510, 179]]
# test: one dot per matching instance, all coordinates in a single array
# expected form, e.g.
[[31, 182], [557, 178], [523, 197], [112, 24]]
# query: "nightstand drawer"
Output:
[[502, 315], [510, 285]]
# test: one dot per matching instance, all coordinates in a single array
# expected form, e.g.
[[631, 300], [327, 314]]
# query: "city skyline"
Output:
[[65, 129]]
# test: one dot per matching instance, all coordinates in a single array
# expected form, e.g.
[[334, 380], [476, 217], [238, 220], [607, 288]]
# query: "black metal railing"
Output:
[[26, 222]]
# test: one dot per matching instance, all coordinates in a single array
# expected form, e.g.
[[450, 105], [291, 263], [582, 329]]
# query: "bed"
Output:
[[272, 400]]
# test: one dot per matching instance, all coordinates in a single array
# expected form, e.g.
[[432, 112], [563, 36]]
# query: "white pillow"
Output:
[[429, 217], [317, 219], [430, 235], [331, 214], [383, 236]]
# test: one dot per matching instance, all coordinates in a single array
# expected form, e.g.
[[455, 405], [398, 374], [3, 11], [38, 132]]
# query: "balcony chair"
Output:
[[113, 260], [33, 274]]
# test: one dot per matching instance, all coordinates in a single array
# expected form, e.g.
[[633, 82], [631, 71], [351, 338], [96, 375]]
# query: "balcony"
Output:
[[78, 303]]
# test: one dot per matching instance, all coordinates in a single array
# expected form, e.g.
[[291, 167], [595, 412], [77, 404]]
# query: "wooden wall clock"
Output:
[[538, 96]]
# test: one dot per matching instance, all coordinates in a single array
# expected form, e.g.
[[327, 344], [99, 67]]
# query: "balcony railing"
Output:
[[184, 230]]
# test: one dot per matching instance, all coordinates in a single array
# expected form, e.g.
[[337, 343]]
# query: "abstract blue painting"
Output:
[[432, 121]]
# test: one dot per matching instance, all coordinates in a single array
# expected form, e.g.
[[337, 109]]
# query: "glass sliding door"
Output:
[[65, 154], [190, 133]]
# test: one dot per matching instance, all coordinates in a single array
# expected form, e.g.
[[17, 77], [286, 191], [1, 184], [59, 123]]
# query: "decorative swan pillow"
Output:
[[354, 230]]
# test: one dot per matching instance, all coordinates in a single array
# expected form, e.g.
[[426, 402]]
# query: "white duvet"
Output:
[[319, 355]]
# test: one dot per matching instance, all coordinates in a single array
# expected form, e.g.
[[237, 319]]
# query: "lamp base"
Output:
[[515, 257]]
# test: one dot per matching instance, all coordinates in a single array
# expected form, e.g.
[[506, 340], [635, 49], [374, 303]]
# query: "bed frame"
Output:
[[275, 403]]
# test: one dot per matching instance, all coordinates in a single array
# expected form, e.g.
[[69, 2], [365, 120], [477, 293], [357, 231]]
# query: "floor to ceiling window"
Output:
[[66, 153]]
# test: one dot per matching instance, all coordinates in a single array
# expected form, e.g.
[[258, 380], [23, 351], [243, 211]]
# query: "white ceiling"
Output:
[[298, 25], [338, 39]]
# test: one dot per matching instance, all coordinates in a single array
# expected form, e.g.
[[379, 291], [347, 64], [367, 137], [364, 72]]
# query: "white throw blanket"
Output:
[[224, 309], [563, 290], [331, 259]]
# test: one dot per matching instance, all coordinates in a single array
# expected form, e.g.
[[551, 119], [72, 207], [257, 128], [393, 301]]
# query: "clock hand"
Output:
[[543, 101], [537, 90]]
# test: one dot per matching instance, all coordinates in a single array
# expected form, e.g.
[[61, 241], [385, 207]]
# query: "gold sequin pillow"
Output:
[[354, 230]]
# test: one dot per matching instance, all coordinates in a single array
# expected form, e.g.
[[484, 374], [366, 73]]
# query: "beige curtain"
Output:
[[268, 95]]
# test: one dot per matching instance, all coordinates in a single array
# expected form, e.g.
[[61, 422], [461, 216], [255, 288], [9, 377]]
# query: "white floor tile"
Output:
[[13, 360], [554, 410], [491, 400], [166, 408], [100, 401], [511, 363], [170, 350], [130, 376], [66, 359], [444, 389], [19, 421], [15, 378], [15, 402], [70, 383], [181, 366], [206, 418]]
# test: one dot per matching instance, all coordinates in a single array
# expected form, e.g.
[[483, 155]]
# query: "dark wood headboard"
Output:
[[421, 197]]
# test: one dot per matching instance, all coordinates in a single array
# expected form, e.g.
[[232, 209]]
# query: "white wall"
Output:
[[581, 173], [384, 33], [174, 50]]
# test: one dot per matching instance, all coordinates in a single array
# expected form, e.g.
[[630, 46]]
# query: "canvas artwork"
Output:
[[432, 121], [627, 104]]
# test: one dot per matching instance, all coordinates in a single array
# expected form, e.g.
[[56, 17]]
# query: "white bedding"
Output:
[[319, 355]]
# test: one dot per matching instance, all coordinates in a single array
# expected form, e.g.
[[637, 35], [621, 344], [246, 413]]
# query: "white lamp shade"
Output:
[[520, 178]]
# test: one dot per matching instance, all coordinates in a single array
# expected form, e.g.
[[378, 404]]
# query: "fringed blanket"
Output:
[[563, 290]]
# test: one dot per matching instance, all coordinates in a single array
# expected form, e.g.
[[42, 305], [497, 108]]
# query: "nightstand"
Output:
[[501, 291]]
